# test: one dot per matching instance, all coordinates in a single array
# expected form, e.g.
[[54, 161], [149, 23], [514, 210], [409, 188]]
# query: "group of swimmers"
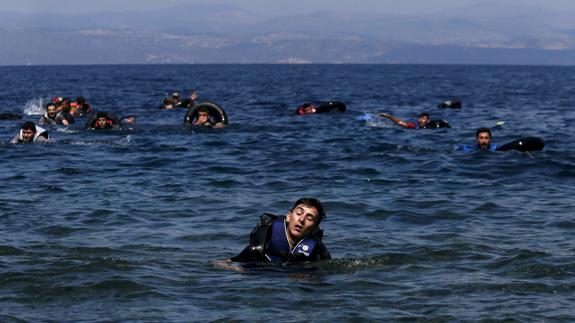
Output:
[[206, 114], [62, 111], [59, 111], [483, 136]]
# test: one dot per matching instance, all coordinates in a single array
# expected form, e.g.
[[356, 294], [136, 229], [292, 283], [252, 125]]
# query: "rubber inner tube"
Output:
[[331, 106], [523, 144], [215, 111]]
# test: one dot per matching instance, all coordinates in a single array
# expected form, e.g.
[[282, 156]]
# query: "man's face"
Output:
[[202, 116], [300, 221], [101, 122], [483, 140], [28, 135], [423, 120], [51, 111]]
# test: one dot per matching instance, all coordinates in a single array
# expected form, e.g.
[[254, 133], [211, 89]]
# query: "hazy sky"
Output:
[[275, 7]]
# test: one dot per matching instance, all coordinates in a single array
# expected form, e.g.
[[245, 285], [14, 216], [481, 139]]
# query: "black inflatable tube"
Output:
[[331, 106], [438, 124], [523, 144], [214, 110], [10, 116]]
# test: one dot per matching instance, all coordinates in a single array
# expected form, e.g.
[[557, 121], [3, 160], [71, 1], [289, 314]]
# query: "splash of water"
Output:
[[34, 107]]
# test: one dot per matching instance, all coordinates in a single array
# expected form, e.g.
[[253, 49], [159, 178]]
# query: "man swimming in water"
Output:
[[80, 107], [306, 108], [30, 133], [49, 116], [103, 122], [295, 237], [53, 117], [189, 102], [483, 139], [423, 121], [204, 120], [482, 142]]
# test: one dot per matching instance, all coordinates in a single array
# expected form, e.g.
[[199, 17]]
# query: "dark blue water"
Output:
[[123, 227]]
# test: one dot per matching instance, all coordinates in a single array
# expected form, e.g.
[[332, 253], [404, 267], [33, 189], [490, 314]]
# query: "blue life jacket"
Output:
[[278, 249], [471, 148]]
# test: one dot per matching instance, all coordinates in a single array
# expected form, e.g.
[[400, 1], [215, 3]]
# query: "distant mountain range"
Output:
[[481, 34]]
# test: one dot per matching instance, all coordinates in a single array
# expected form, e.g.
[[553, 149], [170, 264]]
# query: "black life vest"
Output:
[[278, 248]]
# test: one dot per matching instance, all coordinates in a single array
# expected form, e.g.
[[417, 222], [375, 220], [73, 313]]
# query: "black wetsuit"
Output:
[[268, 243]]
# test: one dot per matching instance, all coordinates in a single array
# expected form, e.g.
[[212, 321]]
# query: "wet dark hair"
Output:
[[311, 202], [480, 130], [423, 114], [29, 125], [80, 100]]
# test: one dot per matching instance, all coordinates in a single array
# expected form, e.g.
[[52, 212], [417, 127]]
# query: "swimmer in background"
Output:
[[306, 108], [482, 142], [50, 117], [103, 121], [80, 107], [176, 98], [30, 133], [423, 122], [204, 120], [295, 237], [128, 123], [483, 139], [189, 102], [175, 102], [168, 104]]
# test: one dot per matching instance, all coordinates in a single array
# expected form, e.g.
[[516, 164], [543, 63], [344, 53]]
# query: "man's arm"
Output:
[[228, 265], [397, 120]]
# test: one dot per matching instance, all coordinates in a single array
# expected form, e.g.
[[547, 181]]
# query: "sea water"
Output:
[[125, 226]]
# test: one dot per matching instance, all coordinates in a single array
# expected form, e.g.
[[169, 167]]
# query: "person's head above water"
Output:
[[28, 131], [101, 120], [423, 119], [483, 138], [203, 118], [293, 238], [306, 108], [51, 110]]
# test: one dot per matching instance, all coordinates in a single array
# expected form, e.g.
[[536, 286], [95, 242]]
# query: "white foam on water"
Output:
[[34, 107]]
